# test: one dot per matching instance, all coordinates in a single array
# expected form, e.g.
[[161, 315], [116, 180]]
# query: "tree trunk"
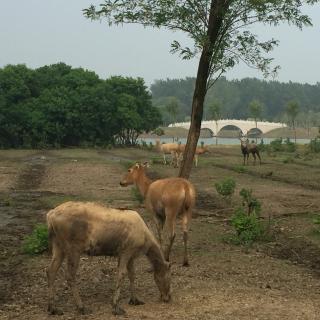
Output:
[[217, 12]]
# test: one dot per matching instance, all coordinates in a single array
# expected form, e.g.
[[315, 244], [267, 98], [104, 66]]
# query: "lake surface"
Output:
[[221, 141]]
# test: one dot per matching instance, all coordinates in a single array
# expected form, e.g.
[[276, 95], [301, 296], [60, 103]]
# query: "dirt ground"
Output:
[[278, 279]]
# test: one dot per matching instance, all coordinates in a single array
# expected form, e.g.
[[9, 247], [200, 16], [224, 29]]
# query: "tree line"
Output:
[[239, 99], [58, 106]]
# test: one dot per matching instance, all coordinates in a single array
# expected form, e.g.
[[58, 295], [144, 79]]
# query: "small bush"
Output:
[[314, 145], [252, 204], [37, 242], [248, 227], [136, 194], [316, 221], [246, 219], [276, 145], [289, 146], [158, 132], [226, 187]]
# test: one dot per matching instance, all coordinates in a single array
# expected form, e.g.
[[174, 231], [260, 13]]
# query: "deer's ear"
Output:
[[146, 164], [137, 165]]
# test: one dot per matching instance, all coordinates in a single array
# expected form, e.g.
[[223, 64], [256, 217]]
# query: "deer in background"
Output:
[[247, 148], [166, 199], [199, 151], [168, 148]]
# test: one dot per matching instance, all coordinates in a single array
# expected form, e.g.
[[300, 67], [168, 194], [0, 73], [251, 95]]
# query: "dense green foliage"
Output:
[[281, 145], [226, 187], [235, 96], [37, 242], [57, 106]]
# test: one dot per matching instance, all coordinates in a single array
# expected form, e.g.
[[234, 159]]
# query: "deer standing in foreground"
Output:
[[248, 148], [78, 227], [166, 199]]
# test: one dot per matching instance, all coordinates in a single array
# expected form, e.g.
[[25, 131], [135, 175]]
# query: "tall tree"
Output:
[[255, 108], [214, 110], [292, 110], [221, 33]]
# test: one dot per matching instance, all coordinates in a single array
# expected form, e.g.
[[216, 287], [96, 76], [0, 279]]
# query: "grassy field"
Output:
[[274, 279]]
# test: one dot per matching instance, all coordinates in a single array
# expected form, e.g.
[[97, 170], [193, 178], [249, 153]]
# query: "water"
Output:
[[212, 141]]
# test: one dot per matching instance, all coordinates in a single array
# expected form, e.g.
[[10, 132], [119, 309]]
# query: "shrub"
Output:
[[247, 227], [37, 242], [314, 145], [226, 187], [276, 145], [251, 203], [289, 146], [246, 219], [158, 132], [316, 221]]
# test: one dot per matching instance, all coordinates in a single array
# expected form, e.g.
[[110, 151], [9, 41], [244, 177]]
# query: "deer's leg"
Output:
[[159, 222], [57, 259], [169, 228], [73, 259], [196, 160], [259, 157], [122, 270], [164, 159], [131, 274], [247, 156], [254, 157], [186, 218], [173, 159]]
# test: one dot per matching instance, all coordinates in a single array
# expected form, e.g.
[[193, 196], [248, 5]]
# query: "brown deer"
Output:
[[168, 148], [199, 151], [78, 227], [166, 199], [248, 148]]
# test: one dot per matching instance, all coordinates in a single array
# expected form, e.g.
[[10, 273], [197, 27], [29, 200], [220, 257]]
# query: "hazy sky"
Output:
[[39, 32]]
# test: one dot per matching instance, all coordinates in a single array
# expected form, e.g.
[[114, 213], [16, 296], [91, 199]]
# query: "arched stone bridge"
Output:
[[243, 125]]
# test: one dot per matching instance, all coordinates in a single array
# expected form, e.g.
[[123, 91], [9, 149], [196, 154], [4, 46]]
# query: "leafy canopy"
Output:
[[235, 41]]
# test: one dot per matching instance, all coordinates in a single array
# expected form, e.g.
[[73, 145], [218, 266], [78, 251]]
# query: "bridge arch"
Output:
[[207, 132], [230, 127], [254, 132]]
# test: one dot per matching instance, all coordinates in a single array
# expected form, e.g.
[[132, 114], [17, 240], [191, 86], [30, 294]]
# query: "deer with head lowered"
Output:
[[166, 199], [168, 148], [85, 227], [247, 148]]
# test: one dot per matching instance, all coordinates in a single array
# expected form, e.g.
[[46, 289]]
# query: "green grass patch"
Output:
[[37, 242]]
